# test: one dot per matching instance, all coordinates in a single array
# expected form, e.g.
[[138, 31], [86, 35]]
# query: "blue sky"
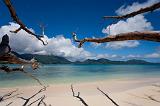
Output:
[[85, 17]]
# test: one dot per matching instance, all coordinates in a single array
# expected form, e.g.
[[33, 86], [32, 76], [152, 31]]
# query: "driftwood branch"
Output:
[[108, 97], [8, 70], [12, 59], [9, 96], [28, 99], [142, 10], [18, 21], [146, 35], [78, 96], [41, 101]]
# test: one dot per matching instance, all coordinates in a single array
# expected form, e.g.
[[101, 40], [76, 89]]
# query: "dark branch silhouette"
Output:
[[41, 101], [8, 70], [146, 35], [7, 57], [108, 97], [18, 21], [27, 100], [142, 10], [9, 95], [78, 96]]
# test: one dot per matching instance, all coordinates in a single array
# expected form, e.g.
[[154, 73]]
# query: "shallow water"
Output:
[[58, 74]]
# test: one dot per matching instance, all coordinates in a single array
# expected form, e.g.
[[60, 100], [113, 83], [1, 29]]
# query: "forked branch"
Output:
[[28, 99], [142, 10], [8, 95], [146, 35], [78, 96], [18, 21]]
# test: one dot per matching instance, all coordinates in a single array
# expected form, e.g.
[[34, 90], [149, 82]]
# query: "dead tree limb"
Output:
[[8, 70], [146, 35], [8, 95], [78, 97], [40, 101], [28, 99], [12, 59], [108, 97], [142, 10], [18, 21]]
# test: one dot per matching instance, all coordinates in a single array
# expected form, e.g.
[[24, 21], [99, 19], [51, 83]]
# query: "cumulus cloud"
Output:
[[153, 55], [137, 23], [23, 42], [134, 7]]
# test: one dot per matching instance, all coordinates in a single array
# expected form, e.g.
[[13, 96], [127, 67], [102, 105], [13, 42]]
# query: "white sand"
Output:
[[126, 92]]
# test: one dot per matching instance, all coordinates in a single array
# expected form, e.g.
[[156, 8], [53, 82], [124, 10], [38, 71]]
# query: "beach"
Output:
[[125, 92]]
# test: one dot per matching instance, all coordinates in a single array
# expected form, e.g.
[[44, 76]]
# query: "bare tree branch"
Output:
[[8, 95], [108, 97], [142, 10], [12, 59], [8, 70], [146, 35], [78, 96], [28, 99], [18, 21]]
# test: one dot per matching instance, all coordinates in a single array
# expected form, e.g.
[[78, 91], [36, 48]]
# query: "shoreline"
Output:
[[81, 82], [119, 90]]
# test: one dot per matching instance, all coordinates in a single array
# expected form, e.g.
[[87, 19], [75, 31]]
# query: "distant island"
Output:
[[51, 59]]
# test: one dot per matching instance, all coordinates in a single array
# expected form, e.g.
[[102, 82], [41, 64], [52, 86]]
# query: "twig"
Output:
[[142, 10], [8, 95], [78, 96], [28, 99], [108, 97]]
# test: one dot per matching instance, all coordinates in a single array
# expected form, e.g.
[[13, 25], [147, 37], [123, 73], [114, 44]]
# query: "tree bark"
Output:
[[146, 35], [142, 10]]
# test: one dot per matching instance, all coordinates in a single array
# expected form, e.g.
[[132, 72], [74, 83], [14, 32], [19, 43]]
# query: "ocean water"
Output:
[[59, 74]]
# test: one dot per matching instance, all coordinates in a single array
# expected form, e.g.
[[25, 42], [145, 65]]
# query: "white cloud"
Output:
[[23, 42], [134, 7], [137, 23], [122, 44], [153, 55]]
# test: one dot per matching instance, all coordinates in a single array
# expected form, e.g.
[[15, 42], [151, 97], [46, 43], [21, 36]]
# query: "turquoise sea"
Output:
[[59, 74]]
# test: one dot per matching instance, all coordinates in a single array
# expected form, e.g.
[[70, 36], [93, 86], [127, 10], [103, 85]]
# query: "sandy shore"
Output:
[[126, 92]]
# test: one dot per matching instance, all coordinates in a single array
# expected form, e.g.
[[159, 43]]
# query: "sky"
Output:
[[61, 17]]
